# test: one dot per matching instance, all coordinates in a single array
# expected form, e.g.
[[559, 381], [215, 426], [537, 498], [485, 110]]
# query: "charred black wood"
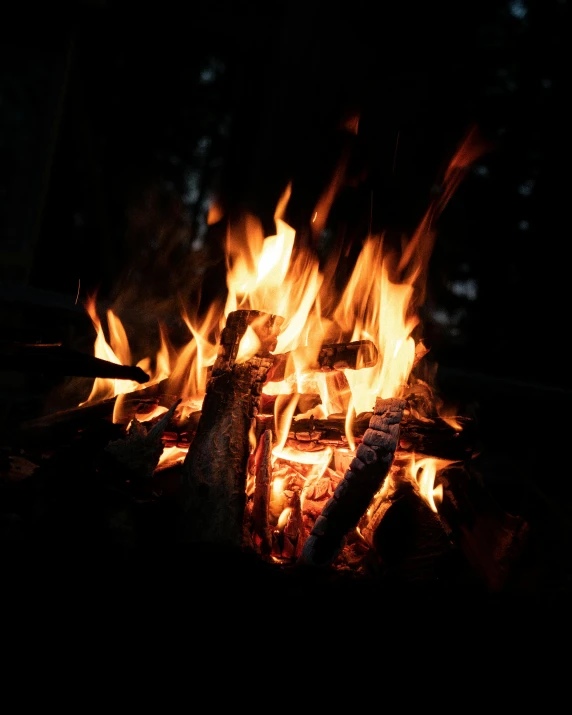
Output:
[[58, 360], [262, 491], [338, 356], [58, 427], [293, 531], [355, 492], [214, 471], [138, 454], [410, 542], [492, 540], [437, 438]]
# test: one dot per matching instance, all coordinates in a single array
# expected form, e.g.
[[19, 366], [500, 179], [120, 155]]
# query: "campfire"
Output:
[[301, 422]]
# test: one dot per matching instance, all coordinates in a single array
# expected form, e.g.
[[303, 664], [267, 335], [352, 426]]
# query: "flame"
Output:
[[424, 473], [249, 346], [283, 518], [380, 311], [454, 423], [275, 276], [188, 377], [263, 274], [118, 352], [171, 456]]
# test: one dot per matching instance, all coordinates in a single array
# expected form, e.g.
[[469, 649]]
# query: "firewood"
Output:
[[214, 471], [59, 426], [409, 541], [262, 491], [58, 360], [338, 356], [492, 540], [358, 487], [139, 453], [293, 531], [434, 437]]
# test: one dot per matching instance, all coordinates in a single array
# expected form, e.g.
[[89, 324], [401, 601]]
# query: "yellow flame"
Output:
[[188, 378], [171, 456], [424, 473], [321, 458], [379, 311], [283, 518], [104, 388], [269, 274], [249, 346], [263, 274]]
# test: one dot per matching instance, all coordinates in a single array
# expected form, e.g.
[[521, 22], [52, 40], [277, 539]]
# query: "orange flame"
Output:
[[424, 473], [271, 275]]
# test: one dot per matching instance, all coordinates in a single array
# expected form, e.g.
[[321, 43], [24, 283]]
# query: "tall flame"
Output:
[[275, 276]]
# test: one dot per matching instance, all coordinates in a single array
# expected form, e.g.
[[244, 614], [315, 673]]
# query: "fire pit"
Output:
[[296, 428]]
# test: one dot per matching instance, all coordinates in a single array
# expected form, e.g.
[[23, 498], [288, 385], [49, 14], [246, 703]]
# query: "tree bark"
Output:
[[214, 471]]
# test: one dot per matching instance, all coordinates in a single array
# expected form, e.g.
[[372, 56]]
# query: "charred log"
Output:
[[339, 356], [262, 490], [410, 542], [492, 540], [59, 360], [293, 531], [214, 471], [139, 452], [358, 487], [58, 427], [437, 438]]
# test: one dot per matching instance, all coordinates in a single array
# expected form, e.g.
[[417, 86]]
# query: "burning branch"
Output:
[[58, 360], [361, 482], [338, 356], [262, 491]]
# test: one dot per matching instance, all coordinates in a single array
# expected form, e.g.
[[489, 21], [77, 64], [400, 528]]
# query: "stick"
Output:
[[262, 490], [57, 360]]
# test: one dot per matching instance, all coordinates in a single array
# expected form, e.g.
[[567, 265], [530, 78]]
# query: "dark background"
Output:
[[122, 122]]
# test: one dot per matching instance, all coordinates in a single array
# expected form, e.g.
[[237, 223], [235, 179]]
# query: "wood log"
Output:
[[214, 471], [262, 490], [492, 540], [293, 531], [409, 540], [337, 356], [58, 360], [358, 487], [435, 438], [51, 429], [138, 454]]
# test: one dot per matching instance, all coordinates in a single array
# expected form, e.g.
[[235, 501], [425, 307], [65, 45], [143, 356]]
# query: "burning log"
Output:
[[50, 429], [408, 538], [359, 485], [293, 531], [57, 360], [138, 454], [214, 471], [337, 356], [433, 437], [492, 540], [262, 490]]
